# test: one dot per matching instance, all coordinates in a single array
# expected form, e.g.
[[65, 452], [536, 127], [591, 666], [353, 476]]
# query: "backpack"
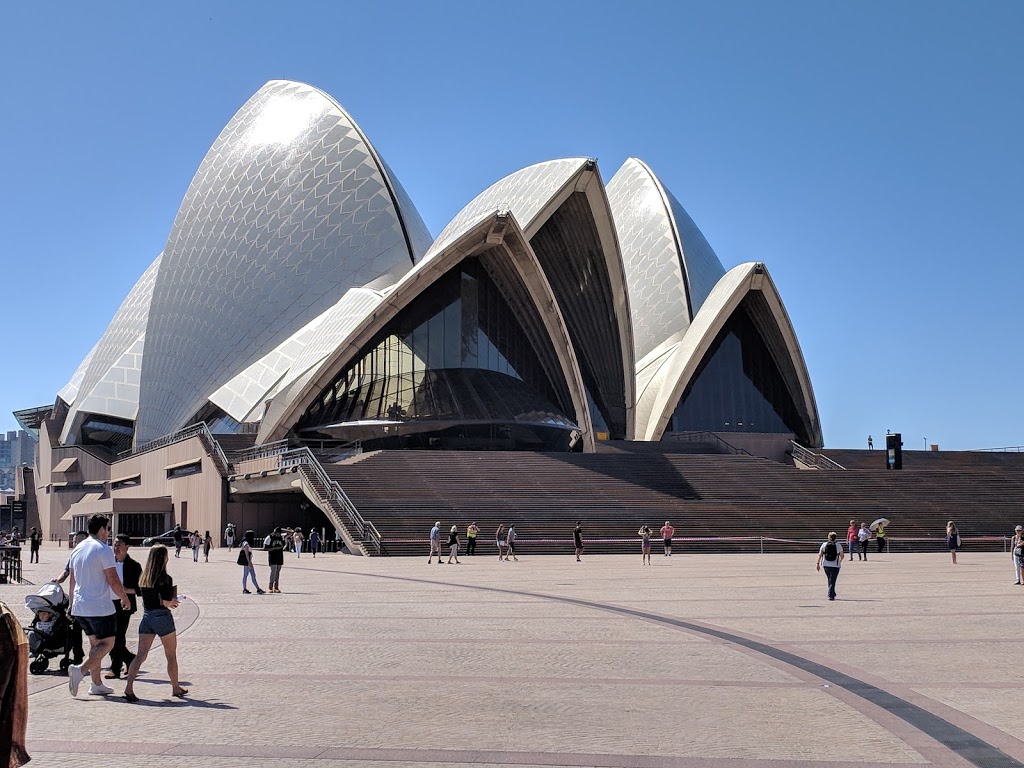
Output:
[[831, 551]]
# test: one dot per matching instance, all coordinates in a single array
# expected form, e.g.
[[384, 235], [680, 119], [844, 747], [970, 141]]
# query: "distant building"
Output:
[[16, 448]]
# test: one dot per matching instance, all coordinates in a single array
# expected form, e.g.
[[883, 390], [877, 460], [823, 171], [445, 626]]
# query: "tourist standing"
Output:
[[34, 540], [472, 531], [871, 447], [245, 560], [314, 541], [275, 559], [952, 540], [499, 540], [93, 578], [453, 545], [159, 596], [577, 537], [830, 555], [880, 537], [435, 543], [863, 535], [129, 571], [1017, 552], [667, 532], [852, 539], [645, 544]]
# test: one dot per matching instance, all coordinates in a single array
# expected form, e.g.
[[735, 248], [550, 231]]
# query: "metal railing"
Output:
[[267, 451], [305, 459], [811, 458], [199, 430], [1008, 449], [10, 565], [707, 437]]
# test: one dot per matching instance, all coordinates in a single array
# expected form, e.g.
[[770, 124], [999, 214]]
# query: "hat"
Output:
[[1018, 528]]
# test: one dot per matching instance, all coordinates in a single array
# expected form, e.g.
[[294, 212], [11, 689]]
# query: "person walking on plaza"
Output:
[[863, 535], [645, 544], [93, 578], [453, 545], [74, 628], [178, 536], [195, 541], [880, 537], [830, 555], [298, 538], [667, 532], [34, 540], [314, 541], [275, 559], [435, 543], [245, 560], [472, 531], [1017, 552], [851, 539], [510, 543], [952, 540], [577, 537], [229, 536], [499, 540], [207, 546], [159, 597], [129, 571]]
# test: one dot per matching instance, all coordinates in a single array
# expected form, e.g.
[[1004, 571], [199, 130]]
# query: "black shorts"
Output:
[[100, 627], [668, 542]]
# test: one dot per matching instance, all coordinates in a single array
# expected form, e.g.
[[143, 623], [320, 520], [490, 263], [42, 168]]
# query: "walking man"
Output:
[[129, 571], [93, 578], [178, 537], [851, 539], [577, 536], [435, 543], [510, 542], [275, 559], [830, 555], [229, 536], [34, 540], [667, 532]]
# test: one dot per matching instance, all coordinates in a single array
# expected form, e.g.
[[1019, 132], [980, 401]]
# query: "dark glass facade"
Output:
[[455, 365], [738, 387]]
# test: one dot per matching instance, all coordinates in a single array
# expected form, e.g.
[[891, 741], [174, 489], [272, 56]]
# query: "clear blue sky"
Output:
[[870, 153]]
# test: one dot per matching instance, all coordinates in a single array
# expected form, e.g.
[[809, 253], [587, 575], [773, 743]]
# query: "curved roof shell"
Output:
[[663, 376], [496, 237], [670, 266], [291, 208]]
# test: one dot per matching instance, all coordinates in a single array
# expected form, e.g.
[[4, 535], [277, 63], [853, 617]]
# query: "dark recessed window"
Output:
[[188, 469]]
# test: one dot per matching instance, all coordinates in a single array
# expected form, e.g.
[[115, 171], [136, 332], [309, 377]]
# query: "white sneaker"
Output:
[[74, 678], [100, 690]]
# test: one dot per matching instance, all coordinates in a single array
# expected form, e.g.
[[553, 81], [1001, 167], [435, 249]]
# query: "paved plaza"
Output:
[[696, 660]]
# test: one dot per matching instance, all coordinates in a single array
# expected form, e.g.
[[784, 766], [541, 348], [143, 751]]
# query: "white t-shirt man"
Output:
[[831, 563], [89, 560]]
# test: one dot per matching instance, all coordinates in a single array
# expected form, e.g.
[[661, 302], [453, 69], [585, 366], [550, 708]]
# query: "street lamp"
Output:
[[925, 443]]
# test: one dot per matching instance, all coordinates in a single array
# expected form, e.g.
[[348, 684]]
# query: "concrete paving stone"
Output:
[[393, 662]]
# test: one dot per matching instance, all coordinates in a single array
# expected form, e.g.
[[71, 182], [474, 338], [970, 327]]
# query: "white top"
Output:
[[120, 576], [863, 534], [89, 561], [826, 561]]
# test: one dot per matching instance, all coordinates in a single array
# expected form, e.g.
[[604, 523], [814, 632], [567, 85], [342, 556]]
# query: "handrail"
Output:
[[707, 437], [1009, 449], [266, 451], [304, 457], [199, 430], [807, 456]]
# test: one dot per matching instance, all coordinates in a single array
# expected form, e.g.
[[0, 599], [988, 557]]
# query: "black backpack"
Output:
[[831, 551]]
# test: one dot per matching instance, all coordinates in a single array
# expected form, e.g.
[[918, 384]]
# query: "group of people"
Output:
[[104, 585], [859, 537], [505, 541], [276, 543], [14, 539], [195, 542]]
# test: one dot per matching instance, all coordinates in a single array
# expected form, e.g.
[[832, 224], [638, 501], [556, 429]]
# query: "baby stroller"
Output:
[[49, 633]]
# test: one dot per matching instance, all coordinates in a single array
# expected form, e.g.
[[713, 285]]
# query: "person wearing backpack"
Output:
[[830, 556]]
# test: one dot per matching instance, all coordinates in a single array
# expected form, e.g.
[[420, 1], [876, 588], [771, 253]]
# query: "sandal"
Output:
[[131, 698], [180, 694]]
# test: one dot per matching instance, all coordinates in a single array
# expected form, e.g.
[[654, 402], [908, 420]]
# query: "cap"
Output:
[[1018, 528]]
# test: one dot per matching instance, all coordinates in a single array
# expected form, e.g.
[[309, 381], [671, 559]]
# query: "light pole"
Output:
[[925, 444]]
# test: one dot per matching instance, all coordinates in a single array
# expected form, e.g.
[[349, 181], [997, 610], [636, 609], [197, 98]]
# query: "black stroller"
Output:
[[49, 634]]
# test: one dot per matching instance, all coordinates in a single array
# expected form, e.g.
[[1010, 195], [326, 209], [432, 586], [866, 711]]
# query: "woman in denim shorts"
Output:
[[159, 596]]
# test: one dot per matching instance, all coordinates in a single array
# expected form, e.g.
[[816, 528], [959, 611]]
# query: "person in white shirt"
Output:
[[830, 555], [93, 579], [863, 536]]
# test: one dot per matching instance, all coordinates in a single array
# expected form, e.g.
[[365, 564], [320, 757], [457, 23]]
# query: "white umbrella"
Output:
[[882, 521]]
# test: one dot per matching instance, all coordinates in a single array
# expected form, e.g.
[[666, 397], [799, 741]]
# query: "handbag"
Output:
[[242, 559]]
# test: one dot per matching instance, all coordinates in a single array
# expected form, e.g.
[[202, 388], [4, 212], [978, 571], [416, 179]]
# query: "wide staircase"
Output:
[[913, 461], [720, 502]]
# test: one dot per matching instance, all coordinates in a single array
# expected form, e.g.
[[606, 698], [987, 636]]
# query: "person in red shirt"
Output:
[[851, 540], [667, 531]]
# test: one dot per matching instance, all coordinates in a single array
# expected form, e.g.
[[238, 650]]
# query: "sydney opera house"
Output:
[[301, 301]]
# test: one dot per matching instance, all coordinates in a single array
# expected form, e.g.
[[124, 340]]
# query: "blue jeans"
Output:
[[831, 573], [247, 571]]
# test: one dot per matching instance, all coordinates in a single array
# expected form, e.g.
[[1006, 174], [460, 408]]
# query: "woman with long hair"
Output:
[[159, 596], [499, 539], [207, 546], [952, 539]]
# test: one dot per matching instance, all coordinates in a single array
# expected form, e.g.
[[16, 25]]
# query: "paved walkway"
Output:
[[702, 660]]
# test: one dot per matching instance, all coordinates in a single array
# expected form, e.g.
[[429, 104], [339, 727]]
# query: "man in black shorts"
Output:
[[93, 578]]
